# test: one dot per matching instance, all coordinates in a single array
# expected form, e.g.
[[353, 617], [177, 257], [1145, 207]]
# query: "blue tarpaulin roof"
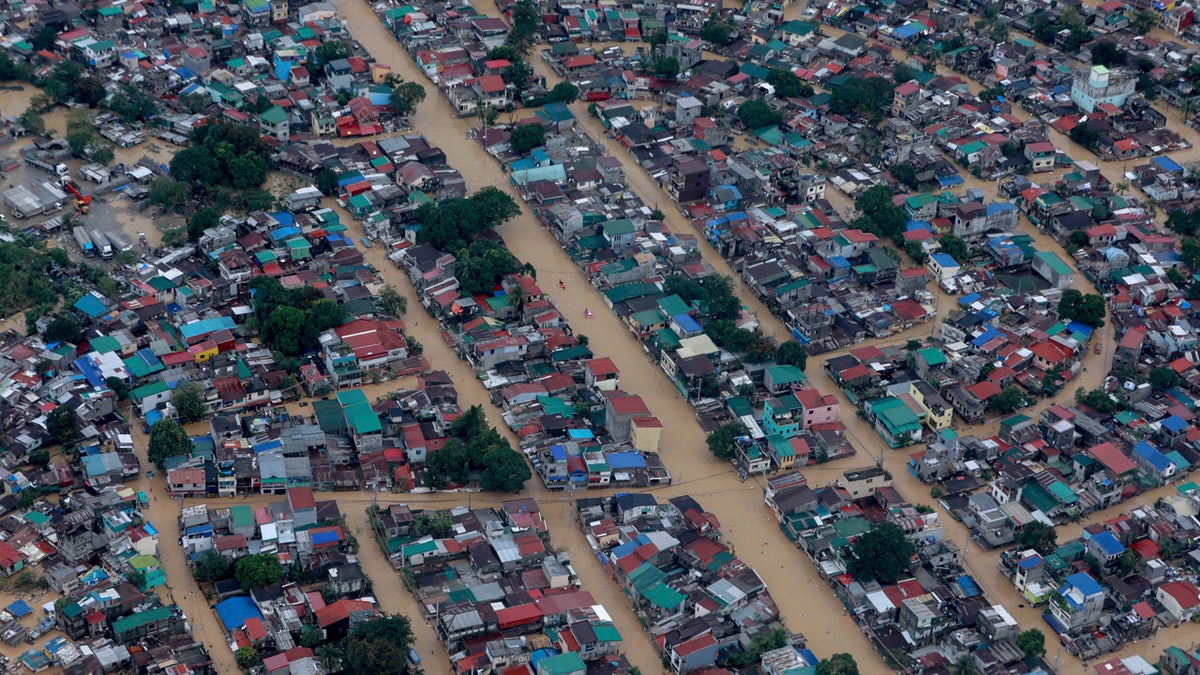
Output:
[[91, 305], [19, 609], [326, 537], [235, 611], [89, 370], [618, 461], [1167, 164], [969, 588], [1077, 327]]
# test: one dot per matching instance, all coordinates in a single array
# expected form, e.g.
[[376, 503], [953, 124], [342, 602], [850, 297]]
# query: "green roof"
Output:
[[781, 446], [851, 527], [606, 632], [664, 597], [105, 344], [645, 576], [110, 11], [1037, 497], [556, 406], [561, 664], [739, 406], [147, 390], [784, 375], [673, 305], [141, 562], [127, 624], [1063, 493], [242, 515], [895, 415], [1052, 261], [933, 356], [620, 226], [359, 415]]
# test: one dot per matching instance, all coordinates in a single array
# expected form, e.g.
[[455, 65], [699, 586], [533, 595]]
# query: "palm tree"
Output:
[[965, 665], [330, 658], [1121, 187]]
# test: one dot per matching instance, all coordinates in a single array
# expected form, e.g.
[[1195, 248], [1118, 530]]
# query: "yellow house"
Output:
[[644, 433], [203, 351], [938, 413]]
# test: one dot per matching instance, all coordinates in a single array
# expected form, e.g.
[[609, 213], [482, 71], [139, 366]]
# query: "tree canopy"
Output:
[[869, 97], [563, 92], [721, 442], [878, 215], [379, 646], [475, 446], [62, 425], [167, 439], [1010, 399], [881, 554], [526, 137], [189, 403], [838, 664], [290, 320], [210, 566], [787, 84], [230, 156], [1038, 536], [525, 24], [1032, 642], [258, 570], [452, 224], [718, 30], [1088, 309], [482, 265], [405, 98], [756, 114], [792, 353]]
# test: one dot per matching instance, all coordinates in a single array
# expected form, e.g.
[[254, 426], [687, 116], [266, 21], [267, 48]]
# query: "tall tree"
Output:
[[525, 24], [881, 554], [189, 403], [167, 439]]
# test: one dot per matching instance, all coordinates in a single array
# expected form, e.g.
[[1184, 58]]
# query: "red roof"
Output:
[[510, 617], [1048, 351], [340, 611], [702, 641], [1113, 459], [985, 390], [629, 405], [301, 498], [602, 366], [1184, 592]]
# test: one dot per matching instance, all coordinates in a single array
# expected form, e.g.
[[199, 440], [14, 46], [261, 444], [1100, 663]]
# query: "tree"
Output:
[[117, 386], [62, 425], [1143, 22], [167, 192], [657, 38], [379, 646], [39, 458], [1079, 239], [33, 122], [881, 554], [563, 92], [258, 570], [330, 658], [1010, 399], [203, 219], [63, 328], [1038, 536], [210, 566], [792, 353], [718, 300], [526, 137], [246, 657], [167, 439], [915, 251], [405, 97], [756, 114], [392, 302], [451, 224], [879, 215], [954, 247], [1107, 53], [525, 23], [327, 182], [1032, 642], [507, 471], [787, 84], [718, 31], [721, 442], [189, 403], [1163, 377], [331, 50], [102, 153], [1092, 310], [838, 664], [517, 74], [90, 91], [868, 97], [482, 265], [665, 67], [310, 636]]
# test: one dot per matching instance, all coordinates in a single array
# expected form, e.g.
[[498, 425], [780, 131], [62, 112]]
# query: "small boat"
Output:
[[587, 313]]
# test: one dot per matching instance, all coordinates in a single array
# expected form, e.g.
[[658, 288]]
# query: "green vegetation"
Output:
[[526, 137], [223, 158], [62, 425], [563, 92], [881, 554], [1039, 537], [1010, 399], [452, 224], [525, 23], [665, 67], [1163, 377], [290, 320], [247, 657], [25, 279], [1101, 401], [838, 664], [878, 215], [189, 403], [868, 97], [1046, 28], [715, 296], [379, 646], [721, 442], [258, 570], [718, 30], [1088, 309], [167, 439], [954, 247], [405, 97], [787, 84], [756, 114], [764, 643], [482, 265], [63, 328], [474, 446], [792, 353], [1032, 642], [210, 566]]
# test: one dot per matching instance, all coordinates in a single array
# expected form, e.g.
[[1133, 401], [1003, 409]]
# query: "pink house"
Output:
[[817, 408]]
